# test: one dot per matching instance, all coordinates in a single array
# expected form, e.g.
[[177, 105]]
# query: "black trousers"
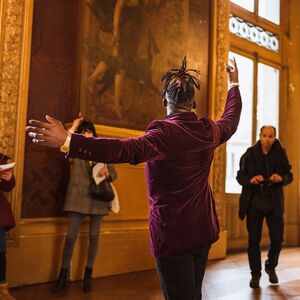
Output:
[[2, 266], [181, 277], [254, 226]]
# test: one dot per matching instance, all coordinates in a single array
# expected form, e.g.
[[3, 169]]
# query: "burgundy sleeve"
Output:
[[7, 186], [229, 121], [108, 150]]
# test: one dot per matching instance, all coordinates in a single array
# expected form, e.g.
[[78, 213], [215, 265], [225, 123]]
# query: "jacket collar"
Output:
[[182, 116], [275, 145]]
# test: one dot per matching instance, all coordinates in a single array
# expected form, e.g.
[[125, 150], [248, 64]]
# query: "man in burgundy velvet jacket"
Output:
[[178, 152]]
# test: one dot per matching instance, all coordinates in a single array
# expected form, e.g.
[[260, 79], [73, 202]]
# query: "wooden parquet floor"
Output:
[[226, 279]]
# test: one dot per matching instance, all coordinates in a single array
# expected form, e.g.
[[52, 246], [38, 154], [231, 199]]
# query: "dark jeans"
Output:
[[254, 227], [181, 277]]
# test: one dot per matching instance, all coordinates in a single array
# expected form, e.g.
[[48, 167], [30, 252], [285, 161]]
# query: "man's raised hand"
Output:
[[50, 134], [232, 71]]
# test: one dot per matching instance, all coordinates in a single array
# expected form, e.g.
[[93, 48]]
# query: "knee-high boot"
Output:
[[61, 281], [87, 280]]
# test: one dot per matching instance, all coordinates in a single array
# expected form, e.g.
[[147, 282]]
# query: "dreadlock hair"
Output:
[[179, 85], [85, 126]]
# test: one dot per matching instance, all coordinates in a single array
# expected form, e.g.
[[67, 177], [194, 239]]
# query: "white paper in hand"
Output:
[[96, 170]]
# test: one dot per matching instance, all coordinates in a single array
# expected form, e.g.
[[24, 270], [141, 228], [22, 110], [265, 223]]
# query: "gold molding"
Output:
[[218, 90], [15, 38], [117, 132]]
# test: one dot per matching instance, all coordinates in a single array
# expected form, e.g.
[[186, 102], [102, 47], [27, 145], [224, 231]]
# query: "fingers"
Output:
[[36, 134], [39, 124], [228, 68], [35, 130], [38, 141], [38, 131], [234, 63], [52, 120]]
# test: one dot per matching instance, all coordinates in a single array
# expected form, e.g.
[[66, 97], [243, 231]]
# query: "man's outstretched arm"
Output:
[[136, 150]]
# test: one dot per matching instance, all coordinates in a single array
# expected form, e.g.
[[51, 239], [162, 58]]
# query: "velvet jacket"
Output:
[[253, 163], [178, 152]]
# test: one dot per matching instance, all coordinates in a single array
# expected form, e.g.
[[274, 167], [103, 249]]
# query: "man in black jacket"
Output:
[[264, 170]]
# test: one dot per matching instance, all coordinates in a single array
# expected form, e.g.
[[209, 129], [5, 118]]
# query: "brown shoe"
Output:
[[4, 293], [254, 282], [272, 275]]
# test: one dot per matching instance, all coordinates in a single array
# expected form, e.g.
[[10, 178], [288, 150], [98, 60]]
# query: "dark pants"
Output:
[[2, 255], [181, 277], [254, 227], [2, 266]]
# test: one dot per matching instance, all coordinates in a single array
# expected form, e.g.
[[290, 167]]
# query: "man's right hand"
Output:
[[232, 71], [257, 179], [50, 134]]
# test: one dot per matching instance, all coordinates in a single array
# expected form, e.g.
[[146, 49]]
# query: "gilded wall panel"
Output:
[[11, 46], [218, 93]]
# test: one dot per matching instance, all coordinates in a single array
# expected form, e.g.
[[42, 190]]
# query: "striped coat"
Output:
[[78, 198]]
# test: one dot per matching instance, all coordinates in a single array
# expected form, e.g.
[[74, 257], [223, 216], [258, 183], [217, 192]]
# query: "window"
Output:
[[242, 139], [255, 34], [270, 10], [254, 41], [267, 9], [247, 4], [267, 97]]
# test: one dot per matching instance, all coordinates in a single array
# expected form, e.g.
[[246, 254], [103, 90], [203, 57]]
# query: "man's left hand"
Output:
[[50, 134], [275, 178]]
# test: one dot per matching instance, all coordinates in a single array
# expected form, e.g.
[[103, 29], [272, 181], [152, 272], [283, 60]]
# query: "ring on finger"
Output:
[[32, 134]]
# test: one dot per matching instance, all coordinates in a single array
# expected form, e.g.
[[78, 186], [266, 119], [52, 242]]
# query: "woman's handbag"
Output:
[[102, 192]]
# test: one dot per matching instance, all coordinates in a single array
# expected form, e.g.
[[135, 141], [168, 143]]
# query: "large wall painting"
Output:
[[126, 47]]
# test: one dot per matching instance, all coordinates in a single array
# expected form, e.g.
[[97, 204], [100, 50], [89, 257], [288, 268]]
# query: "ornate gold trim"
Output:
[[218, 91], [15, 37], [117, 132]]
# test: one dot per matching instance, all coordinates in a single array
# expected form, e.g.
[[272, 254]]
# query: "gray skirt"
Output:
[[2, 240]]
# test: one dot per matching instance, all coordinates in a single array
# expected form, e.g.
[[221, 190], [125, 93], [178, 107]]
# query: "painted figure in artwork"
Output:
[[124, 48]]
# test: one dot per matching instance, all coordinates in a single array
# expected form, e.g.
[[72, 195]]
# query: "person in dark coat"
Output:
[[264, 170], [7, 222], [178, 152]]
